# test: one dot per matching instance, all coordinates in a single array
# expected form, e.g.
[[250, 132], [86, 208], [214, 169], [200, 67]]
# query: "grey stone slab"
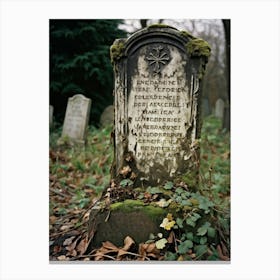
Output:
[[219, 108], [76, 118]]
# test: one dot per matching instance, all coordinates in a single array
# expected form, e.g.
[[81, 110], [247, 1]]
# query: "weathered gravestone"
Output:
[[50, 116], [107, 117], [158, 73], [219, 108], [157, 103], [76, 119], [205, 108]]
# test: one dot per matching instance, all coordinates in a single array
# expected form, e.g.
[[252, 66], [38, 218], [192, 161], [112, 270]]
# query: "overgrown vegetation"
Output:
[[197, 226], [80, 63]]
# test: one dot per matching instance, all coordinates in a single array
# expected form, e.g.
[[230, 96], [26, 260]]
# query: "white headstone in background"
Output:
[[76, 118], [219, 108]]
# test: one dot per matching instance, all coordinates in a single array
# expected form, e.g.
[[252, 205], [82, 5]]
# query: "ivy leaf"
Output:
[[126, 183], [168, 185], [201, 231], [211, 232], [189, 236], [190, 222], [179, 190], [204, 229], [83, 202], [184, 247], [179, 222], [200, 250], [186, 203], [154, 190], [194, 217], [197, 216], [185, 195], [169, 256], [179, 199], [160, 244], [203, 240]]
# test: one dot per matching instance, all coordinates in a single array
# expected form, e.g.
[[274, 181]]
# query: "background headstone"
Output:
[[219, 108], [76, 118], [50, 116], [157, 103], [205, 107], [107, 117]]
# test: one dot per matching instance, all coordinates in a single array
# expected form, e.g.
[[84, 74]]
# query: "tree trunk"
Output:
[[226, 119], [143, 23]]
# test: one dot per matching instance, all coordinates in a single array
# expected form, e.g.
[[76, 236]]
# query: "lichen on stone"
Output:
[[187, 34], [197, 47], [116, 50], [130, 205], [127, 205]]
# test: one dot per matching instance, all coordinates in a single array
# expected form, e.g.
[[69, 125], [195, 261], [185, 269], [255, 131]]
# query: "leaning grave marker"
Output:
[[76, 118], [157, 91]]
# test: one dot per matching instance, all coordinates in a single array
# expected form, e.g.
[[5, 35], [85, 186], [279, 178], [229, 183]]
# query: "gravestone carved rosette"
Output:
[[158, 73]]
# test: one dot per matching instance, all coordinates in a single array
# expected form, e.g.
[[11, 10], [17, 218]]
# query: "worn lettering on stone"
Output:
[[157, 88]]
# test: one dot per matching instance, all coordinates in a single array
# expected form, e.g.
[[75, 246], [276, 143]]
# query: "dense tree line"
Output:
[[80, 63]]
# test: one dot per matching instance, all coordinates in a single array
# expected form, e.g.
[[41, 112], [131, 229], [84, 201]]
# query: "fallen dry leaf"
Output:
[[133, 176], [73, 253], [109, 245], [53, 219], [221, 255], [82, 246], [71, 247], [148, 250], [125, 170], [62, 258], [171, 237], [121, 253], [68, 241], [65, 227], [128, 242]]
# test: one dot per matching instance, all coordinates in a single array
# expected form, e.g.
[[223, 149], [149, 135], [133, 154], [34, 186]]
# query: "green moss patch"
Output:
[[127, 218], [130, 205], [198, 47], [116, 51], [187, 34]]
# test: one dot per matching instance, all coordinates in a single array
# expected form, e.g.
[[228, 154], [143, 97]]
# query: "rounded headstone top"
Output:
[[195, 47]]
